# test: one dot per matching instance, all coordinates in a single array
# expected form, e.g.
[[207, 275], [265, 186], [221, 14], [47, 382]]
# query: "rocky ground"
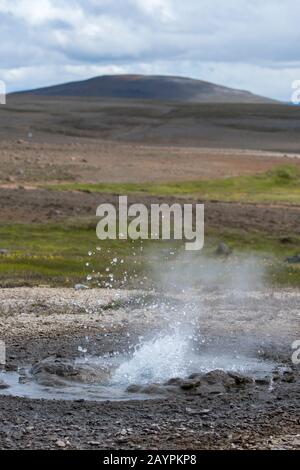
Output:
[[206, 411], [94, 160], [49, 328], [41, 205]]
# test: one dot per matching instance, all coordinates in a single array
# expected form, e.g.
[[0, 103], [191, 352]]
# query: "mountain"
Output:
[[152, 87]]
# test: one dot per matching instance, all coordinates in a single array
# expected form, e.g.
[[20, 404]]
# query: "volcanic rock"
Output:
[[3, 385], [223, 250], [293, 259], [153, 389], [54, 371], [134, 388], [214, 382]]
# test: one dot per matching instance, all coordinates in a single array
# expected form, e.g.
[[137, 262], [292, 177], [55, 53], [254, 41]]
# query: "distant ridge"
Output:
[[150, 87]]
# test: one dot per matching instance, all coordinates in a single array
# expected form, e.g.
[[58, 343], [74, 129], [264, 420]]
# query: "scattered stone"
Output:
[[195, 376], [3, 385], [54, 366], [174, 381], [153, 389], [219, 377], [288, 376], [80, 287], [121, 440], [286, 240], [293, 259], [240, 379], [276, 376], [54, 371], [223, 250], [94, 443], [210, 389], [60, 444], [214, 382], [9, 367], [133, 388], [191, 411], [262, 380], [205, 411], [23, 379], [4, 251], [189, 384], [29, 428]]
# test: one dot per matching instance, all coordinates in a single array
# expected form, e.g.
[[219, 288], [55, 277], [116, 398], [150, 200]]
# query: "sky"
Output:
[[246, 44]]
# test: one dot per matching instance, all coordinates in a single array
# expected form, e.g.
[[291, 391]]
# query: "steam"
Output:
[[192, 289], [181, 347], [186, 271]]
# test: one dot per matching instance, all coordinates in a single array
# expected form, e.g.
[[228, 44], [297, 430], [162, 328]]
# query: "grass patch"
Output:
[[42, 254], [57, 255], [64, 254], [281, 185]]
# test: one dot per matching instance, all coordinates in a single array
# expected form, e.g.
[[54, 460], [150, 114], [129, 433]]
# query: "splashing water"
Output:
[[174, 352], [167, 355], [174, 355]]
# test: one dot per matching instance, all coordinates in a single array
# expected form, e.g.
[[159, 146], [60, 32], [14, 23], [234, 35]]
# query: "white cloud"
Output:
[[246, 43]]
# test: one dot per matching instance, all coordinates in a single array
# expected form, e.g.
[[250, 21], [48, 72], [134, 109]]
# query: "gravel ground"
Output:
[[39, 322]]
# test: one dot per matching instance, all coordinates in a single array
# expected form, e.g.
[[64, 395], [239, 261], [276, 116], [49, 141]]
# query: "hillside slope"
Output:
[[162, 88]]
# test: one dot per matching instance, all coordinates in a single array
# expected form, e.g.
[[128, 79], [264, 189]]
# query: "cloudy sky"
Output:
[[248, 44]]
